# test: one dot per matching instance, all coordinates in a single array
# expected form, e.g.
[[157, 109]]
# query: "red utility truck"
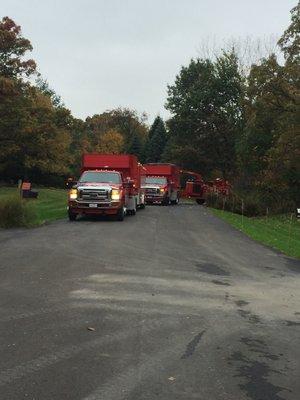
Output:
[[220, 186], [110, 184], [194, 187], [162, 183]]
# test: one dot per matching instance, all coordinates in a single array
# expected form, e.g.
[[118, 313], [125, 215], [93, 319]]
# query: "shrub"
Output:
[[15, 212], [251, 204]]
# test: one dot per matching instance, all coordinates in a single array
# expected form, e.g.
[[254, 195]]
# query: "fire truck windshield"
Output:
[[100, 177], [156, 180]]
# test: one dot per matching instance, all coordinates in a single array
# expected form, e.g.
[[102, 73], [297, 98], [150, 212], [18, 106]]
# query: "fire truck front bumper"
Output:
[[155, 199], [85, 208]]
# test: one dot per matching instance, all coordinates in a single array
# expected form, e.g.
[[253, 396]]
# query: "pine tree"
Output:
[[156, 141], [135, 147], [153, 127]]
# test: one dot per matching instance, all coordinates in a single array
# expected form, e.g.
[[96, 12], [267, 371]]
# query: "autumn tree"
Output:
[[111, 142], [126, 122], [13, 47], [270, 143], [43, 86], [290, 40], [79, 145], [34, 134]]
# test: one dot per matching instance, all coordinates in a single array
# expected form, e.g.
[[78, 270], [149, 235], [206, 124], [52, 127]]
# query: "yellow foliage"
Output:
[[111, 142]]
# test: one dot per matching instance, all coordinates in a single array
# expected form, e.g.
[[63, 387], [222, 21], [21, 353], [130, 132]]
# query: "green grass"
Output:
[[281, 232], [50, 205]]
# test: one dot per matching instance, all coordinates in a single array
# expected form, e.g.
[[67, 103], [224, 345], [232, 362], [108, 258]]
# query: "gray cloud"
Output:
[[102, 54]]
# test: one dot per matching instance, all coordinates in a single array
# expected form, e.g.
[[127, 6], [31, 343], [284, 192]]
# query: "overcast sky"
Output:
[[101, 54]]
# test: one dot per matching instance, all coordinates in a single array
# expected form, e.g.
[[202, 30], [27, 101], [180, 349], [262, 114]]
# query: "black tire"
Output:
[[133, 212], [72, 216], [166, 202], [175, 202], [120, 214], [142, 206], [200, 201]]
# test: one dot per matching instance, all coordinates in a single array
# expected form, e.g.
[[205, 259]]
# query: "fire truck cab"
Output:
[[110, 184]]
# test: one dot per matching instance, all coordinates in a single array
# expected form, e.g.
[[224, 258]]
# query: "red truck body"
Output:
[[110, 184], [126, 164], [162, 183], [220, 186], [194, 187], [197, 189]]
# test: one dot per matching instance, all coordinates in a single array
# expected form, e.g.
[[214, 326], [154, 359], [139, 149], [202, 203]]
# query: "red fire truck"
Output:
[[109, 184], [162, 183], [194, 186]]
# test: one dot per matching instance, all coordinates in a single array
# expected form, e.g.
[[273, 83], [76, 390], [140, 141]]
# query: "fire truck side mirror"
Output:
[[129, 183], [70, 183]]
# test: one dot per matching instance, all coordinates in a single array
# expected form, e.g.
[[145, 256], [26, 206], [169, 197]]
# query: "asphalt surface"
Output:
[[171, 304]]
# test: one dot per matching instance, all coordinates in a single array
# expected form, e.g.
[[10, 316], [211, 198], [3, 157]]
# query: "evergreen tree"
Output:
[[153, 127], [135, 146], [156, 142]]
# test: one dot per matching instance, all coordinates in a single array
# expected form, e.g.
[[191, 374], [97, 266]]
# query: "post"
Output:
[[290, 231], [20, 187], [242, 213]]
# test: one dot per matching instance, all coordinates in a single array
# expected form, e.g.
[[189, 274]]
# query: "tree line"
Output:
[[40, 140], [241, 124]]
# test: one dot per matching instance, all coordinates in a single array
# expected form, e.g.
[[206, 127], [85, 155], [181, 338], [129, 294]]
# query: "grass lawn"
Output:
[[50, 205], [280, 232]]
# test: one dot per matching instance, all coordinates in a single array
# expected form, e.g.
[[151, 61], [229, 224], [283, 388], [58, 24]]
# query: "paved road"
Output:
[[181, 307]]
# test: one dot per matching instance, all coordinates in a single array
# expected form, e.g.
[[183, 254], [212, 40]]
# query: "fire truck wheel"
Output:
[[121, 214], [175, 202], [72, 216], [166, 202], [200, 201], [142, 206]]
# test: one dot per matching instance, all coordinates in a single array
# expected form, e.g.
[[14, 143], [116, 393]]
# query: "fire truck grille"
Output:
[[152, 191], [93, 194]]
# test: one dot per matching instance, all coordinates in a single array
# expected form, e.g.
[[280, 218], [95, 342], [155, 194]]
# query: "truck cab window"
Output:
[[156, 180], [100, 177]]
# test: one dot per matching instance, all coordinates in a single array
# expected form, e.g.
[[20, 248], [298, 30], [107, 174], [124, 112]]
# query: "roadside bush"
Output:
[[15, 212], [250, 204]]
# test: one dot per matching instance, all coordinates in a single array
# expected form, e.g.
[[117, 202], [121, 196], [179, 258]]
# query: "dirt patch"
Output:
[[292, 323], [293, 265], [220, 283], [212, 269], [191, 346], [256, 371], [252, 318], [241, 303]]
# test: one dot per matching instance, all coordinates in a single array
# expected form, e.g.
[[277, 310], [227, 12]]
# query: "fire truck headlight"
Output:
[[115, 194], [162, 190], [73, 194]]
